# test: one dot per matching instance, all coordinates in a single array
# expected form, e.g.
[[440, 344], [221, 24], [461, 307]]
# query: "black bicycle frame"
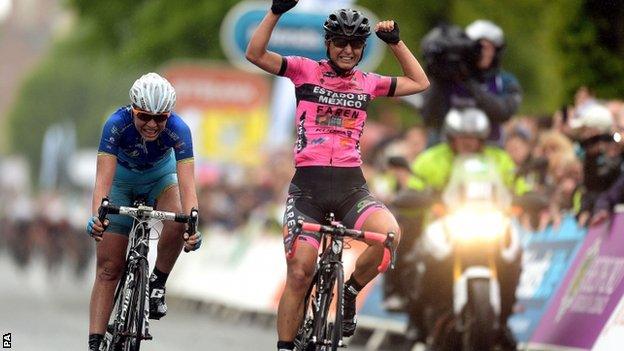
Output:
[[138, 250], [330, 271], [313, 332], [331, 257]]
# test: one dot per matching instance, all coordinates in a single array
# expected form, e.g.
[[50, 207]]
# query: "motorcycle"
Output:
[[473, 232]]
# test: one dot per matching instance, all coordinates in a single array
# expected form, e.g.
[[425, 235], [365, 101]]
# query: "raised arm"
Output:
[[257, 52], [414, 79]]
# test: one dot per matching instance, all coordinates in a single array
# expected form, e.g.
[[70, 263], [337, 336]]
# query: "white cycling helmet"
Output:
[[467, 122], [595, 116], [484, 29], [153, 93]]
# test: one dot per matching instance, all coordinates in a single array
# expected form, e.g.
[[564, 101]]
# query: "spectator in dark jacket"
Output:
[[607, 200], [602, 157]]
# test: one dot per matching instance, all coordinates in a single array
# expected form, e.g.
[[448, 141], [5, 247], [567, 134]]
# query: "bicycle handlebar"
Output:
[[107, 208], [337, 229]]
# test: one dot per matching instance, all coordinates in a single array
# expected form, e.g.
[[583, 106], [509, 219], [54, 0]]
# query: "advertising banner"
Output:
[[226, 109], [547, 256], [299, 32], [591, 290], [244, 271]]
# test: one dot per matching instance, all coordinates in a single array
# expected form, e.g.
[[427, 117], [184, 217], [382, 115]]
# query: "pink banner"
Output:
[[590, 291]]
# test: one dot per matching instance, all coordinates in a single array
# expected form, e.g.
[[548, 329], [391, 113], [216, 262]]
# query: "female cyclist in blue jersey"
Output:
[[332, 98], [145, 149]]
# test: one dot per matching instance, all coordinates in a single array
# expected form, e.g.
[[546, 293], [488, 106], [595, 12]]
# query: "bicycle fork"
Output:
[[324, 297], [141, 252]]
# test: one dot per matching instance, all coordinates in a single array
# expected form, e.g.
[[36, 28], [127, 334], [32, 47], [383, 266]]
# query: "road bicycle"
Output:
[[129, 325], [321, 330]]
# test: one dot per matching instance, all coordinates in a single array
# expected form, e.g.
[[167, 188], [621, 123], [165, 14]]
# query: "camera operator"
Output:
[[464, 68]]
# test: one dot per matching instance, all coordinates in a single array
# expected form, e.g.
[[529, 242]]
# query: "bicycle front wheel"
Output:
[[135, 326], [303, 340], [328, 320], [336, 328], [125, 331]]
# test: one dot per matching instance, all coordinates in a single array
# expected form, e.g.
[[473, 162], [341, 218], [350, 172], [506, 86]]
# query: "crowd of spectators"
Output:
[[571, 160], [48, 228]]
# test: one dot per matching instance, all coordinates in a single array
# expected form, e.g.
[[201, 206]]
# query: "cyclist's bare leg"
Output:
[[380, 221], [300, 271], [170, 243], [110, 260]]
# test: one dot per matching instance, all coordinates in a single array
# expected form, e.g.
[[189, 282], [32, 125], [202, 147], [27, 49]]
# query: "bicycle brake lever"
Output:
[[389, 243], [192, 223], [103, 211], [290, 252]]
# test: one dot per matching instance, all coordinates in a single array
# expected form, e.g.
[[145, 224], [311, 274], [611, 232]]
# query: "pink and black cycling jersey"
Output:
[[331, 110]]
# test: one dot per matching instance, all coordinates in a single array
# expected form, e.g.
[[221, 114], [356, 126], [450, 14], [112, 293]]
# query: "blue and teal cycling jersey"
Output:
[[121, 139]]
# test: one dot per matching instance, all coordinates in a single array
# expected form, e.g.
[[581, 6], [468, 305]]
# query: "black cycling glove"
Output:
[[391, 37], [281, 6]]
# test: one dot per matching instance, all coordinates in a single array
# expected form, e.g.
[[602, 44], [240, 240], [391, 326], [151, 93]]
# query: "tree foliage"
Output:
[[88, 74], [65, 88], [590, 42], [529, 54]]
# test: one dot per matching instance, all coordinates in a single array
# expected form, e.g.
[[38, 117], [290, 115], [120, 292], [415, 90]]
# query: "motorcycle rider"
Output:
[[466, 132]]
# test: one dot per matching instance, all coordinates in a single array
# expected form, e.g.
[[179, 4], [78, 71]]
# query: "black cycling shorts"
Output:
[[316, 191]]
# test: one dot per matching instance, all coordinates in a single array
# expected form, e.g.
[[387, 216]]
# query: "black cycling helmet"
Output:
[[347, 23]]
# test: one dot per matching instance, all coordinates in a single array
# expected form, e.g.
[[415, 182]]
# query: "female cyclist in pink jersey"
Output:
[[332, 98]]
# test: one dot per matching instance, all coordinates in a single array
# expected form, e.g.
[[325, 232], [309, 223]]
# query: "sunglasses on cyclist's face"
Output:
[[146, 117], [342, 43]]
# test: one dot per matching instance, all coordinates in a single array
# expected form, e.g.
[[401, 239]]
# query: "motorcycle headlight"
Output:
[[475, 225]]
